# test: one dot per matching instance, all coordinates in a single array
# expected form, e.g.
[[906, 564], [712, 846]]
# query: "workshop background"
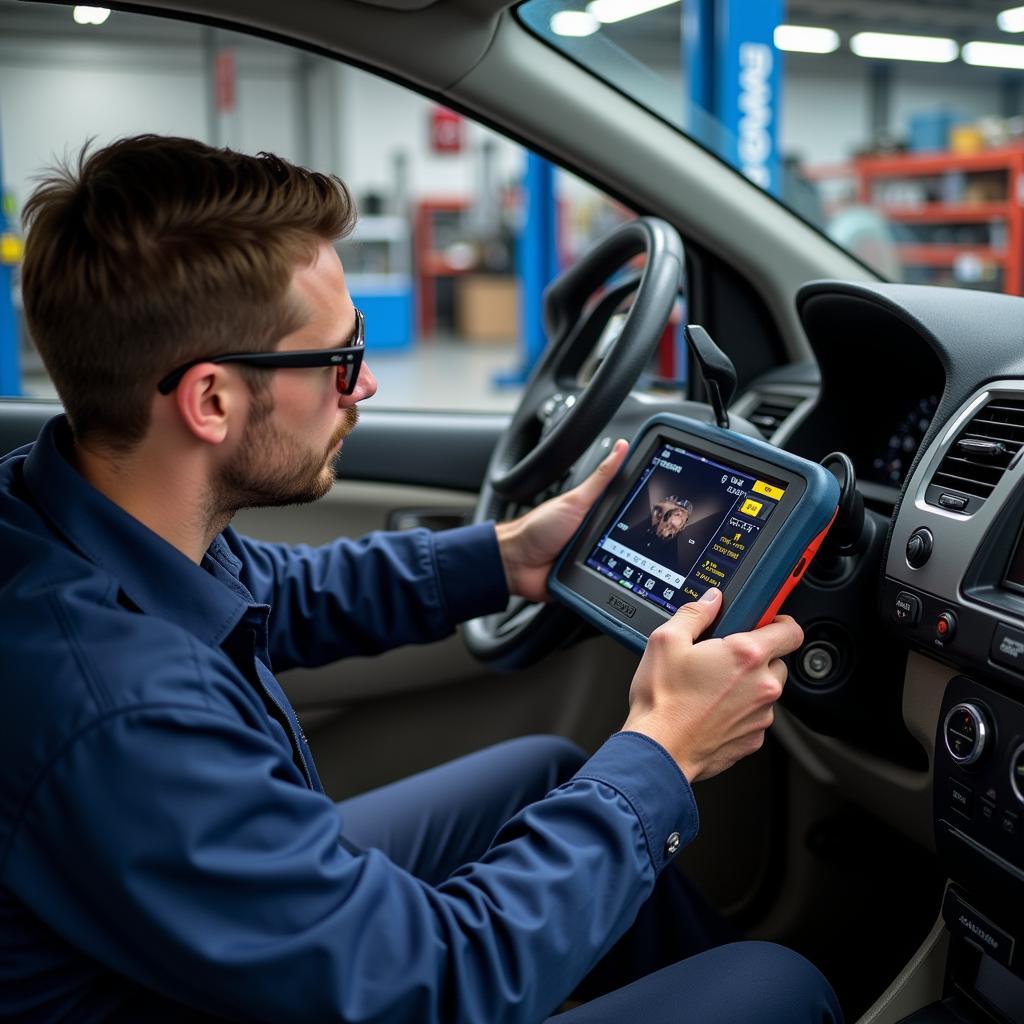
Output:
[[896, 127]]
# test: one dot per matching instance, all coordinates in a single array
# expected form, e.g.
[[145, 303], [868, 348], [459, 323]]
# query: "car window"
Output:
[[436, 262], [898, 130]]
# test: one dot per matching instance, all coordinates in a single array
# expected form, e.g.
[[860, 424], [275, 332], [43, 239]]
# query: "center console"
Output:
[[954, 589]]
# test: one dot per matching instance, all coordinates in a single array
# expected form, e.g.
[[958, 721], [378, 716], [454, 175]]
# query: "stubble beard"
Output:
[[272, 471]]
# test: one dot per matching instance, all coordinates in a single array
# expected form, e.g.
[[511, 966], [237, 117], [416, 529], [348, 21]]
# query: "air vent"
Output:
[[772, 410], [980, 455]]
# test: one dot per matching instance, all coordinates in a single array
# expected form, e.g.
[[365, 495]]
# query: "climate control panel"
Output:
[[978, 800]]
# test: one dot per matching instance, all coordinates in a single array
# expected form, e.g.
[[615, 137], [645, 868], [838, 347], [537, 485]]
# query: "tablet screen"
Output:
[[687, 524]]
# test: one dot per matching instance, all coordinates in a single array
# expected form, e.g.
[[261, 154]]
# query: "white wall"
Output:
[[826, 111], [381, 118], [56, 92], [55, 95], [972, 92]]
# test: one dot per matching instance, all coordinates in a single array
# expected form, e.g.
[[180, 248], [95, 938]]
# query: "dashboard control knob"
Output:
[[919, 547], [819, 660], [1017, 773], [966, 733]]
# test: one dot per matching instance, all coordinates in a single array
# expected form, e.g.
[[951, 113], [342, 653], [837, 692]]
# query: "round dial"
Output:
[[891, 466], [965, 731]]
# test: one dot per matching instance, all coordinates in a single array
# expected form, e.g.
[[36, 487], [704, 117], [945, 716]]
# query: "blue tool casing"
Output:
[[808, 507]]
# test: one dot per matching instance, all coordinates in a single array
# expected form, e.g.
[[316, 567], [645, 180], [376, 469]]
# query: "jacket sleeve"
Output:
[[200, 867], [367, 596]]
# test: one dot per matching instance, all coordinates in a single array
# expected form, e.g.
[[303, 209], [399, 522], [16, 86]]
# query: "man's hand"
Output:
[[531, 543], [709, 703]]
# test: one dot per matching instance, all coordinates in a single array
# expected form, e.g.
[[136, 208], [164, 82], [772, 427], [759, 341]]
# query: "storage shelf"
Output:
[[946, 213], [436, 221], [913, 165], [376, 257], [437, 265], [997, 203], [948, 255]]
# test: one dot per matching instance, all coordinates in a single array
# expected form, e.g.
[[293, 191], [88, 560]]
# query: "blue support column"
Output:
[[10, 251], [734, 73], [536, 262], [699, 56]]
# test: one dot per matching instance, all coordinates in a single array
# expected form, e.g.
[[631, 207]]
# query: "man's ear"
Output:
[[208, 399]]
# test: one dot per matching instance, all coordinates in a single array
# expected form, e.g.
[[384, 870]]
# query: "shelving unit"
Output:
[[959, 218], [376, 261], [438, 225]]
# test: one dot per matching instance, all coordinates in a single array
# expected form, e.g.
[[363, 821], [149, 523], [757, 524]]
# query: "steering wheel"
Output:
[[559, 420]]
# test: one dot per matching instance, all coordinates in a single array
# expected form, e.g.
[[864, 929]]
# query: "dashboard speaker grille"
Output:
[[771, 411], [984, 449]]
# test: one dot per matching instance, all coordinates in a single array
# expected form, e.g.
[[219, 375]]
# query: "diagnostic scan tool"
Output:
[[695, 506]]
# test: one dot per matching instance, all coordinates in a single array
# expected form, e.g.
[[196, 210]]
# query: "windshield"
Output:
[[897, 130]]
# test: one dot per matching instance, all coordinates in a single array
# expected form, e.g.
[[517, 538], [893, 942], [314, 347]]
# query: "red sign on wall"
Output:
[[225, 81], [447, 131]]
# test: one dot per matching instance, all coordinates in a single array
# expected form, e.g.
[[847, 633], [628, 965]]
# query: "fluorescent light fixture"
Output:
[[804, 39], [888, 46], [1011, 20], [90, 15], [574, 23], [610, 11], [994, 55]]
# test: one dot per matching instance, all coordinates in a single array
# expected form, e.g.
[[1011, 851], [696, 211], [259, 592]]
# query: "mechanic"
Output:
[[168, 850]]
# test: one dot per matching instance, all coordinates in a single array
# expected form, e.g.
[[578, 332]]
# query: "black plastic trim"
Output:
[[430, 449]]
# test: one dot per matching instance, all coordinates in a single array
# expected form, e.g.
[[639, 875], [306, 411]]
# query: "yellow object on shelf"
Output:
[[11, 249], [965, 139]]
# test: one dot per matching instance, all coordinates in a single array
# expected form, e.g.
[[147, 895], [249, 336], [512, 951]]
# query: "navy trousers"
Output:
[[679, 963]]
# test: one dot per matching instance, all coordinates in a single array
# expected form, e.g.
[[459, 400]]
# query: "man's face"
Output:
[[296, 427], [668, 519]]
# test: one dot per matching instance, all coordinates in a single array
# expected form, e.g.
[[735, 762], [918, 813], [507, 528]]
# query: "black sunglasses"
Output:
[[348, 359]]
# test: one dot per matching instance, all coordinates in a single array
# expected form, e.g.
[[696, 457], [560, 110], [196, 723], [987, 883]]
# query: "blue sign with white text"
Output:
[[735, 74]]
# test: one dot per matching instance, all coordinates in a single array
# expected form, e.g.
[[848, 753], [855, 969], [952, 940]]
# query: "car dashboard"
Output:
[[922, 628]]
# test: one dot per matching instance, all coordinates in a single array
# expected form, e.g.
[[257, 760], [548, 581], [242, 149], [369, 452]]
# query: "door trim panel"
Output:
[[445, 450]]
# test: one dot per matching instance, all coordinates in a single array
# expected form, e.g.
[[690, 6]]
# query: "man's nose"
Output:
[[366, 387]]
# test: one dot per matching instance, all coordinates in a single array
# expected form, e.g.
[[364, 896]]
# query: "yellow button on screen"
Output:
[[768, 490], [751, 508]]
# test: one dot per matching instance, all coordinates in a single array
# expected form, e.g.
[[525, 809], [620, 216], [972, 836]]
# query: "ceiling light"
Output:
[[90, 15], [994, 55], [574, 23], [609, 11], [804, 39], [1011, 20], [888, 46]]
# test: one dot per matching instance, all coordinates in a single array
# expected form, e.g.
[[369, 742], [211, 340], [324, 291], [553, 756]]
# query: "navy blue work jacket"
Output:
[[166, 849]]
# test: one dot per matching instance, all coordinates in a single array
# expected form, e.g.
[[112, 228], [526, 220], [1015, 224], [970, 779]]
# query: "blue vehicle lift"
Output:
[[536, 263], [734, 73], [10, 255]]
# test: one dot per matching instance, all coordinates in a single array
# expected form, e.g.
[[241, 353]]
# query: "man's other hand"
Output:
[[531, 543], [709, 703]]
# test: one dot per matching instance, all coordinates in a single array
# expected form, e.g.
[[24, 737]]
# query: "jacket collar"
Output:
[[208, 600]]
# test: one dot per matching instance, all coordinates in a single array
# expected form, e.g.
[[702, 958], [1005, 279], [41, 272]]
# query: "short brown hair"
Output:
[[156, 251]]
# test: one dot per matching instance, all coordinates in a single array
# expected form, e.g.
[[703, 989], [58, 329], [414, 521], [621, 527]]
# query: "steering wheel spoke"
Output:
[[519, 610]]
